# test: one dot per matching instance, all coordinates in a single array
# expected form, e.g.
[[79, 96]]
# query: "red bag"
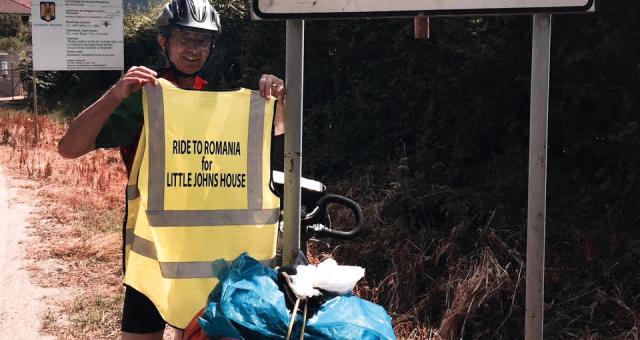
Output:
[[194, 331]]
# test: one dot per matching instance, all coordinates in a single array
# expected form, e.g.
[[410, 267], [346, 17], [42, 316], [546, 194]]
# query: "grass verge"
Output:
[[77, 228]]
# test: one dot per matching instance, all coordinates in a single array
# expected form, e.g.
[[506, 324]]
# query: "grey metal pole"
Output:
[[536, 214], [13, 90], [35, 106], [293, 140]]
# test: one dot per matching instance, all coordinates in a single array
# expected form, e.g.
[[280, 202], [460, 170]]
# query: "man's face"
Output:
[[187, 50]]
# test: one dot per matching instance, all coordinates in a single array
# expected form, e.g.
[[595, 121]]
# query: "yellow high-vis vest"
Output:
[[199, 191]]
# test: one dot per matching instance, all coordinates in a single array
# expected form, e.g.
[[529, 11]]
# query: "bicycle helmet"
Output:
[[195, 15], [190, 14]]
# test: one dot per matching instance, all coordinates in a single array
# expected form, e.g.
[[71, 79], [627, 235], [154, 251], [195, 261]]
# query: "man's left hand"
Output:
[[271, 85]]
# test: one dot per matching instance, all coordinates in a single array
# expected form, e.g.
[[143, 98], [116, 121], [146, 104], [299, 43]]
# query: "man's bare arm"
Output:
[[82, 133]]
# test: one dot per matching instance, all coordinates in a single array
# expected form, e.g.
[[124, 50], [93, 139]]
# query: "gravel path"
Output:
[[22, 304]]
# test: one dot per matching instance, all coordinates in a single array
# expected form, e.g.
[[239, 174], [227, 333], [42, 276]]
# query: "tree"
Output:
[[10, 25]]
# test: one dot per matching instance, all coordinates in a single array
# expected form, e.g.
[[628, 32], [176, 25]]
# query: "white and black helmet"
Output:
[[191, 14], [197, 15]]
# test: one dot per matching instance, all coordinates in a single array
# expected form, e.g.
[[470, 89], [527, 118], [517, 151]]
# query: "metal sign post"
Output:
[[536, 212], [293, 140], [11, 70], [35, 106]]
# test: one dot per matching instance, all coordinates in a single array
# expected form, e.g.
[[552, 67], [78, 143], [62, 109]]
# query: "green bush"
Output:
[[453, 108], [11, 44], [10, 25]]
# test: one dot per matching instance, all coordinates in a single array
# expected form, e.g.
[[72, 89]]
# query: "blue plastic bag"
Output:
[[349, 317], [247, 304]]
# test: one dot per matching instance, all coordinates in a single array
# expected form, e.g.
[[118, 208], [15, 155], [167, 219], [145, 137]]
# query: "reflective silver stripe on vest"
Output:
[[155, 106], [144, 247], [254, 152], [128, 236], [194, 218], [183, 270], [180, 270], [132, 192], [156, 213]]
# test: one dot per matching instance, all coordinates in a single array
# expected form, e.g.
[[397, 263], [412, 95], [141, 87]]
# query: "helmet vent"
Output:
[[198, 13]]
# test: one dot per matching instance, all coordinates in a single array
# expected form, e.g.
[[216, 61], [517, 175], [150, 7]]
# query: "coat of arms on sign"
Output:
[[47, 11]]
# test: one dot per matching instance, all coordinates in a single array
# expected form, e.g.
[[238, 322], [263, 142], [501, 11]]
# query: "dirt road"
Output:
[[22, 304]]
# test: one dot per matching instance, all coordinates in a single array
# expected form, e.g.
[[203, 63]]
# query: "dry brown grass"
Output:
[[77, 242], [428, 281], [469, 289], [465, 282]]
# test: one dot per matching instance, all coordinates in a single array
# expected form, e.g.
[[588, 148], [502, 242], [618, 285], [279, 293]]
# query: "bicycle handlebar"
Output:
[[339, 234]]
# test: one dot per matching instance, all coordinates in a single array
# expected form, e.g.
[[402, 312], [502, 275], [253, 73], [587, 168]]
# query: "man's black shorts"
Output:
[[139, 314]]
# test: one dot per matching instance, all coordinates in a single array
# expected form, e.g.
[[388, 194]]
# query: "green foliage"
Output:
[[45, 81], [453, 108], [10, 25], [140, 38], [11, 44], [14, 35]]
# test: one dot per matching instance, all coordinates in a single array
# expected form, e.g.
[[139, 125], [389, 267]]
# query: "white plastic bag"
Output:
[[328, 276]]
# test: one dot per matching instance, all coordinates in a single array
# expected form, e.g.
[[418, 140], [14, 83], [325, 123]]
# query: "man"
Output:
[[187, 31]]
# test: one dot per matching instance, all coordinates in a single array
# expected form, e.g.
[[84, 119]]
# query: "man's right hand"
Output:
[[82, 133], [135, 78]]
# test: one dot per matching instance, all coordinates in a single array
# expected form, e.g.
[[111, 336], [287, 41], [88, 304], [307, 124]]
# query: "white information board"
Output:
[[303, 9], [73, 35]]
